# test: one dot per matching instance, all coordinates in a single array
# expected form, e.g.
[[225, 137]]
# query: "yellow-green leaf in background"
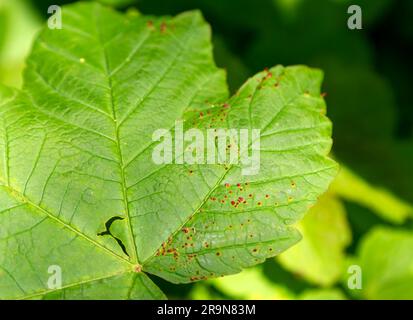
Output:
[[319, 256], [385, 258], [353, 188]]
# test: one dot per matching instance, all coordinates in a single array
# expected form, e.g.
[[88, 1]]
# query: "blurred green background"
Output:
[[365, 219]]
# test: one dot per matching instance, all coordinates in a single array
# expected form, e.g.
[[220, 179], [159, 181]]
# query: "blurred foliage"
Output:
[[18, 25], [319, 257], [386, 258], [353, 188], [366, 217]]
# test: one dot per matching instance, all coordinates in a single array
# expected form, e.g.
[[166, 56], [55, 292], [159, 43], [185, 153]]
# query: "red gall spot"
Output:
[[163, 27], [238, 185], [240, 199], [226, 105], [150, 24], [201, 114], [138, 268], [185, 230], [233, 202], [227, 185]]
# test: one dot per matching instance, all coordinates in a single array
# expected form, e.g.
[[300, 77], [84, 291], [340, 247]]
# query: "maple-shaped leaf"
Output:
[[80, 195]]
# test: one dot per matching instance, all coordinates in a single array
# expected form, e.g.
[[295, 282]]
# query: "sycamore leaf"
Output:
[[79, 189]]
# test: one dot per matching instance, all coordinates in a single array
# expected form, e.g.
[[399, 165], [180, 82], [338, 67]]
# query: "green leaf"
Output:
[[386, 260], [135, 286], [251, 284], [322, 294], [79, 189], [118, 3], [18, 26], [319, 257], [351, 187]]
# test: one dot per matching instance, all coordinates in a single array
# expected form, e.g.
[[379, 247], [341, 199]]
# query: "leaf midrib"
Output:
[[108, 72]]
